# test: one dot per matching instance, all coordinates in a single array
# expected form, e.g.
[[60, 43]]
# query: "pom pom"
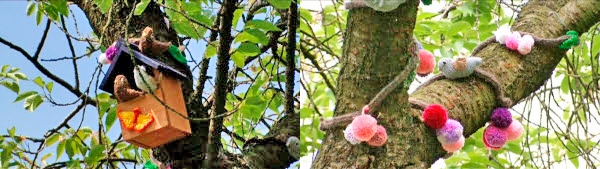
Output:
[[379, 138], [514, 130], [110, 52], [435, 116], [501, 34], [364, 127], [102, 59], [525, 44], [427, 63], [349, 136], [501, 117], [454, 146], [494, 137], [512, 40], [366, 109], [450, 133]]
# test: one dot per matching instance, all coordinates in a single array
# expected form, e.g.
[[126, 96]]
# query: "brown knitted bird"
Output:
[[148, 45], [123, 91]]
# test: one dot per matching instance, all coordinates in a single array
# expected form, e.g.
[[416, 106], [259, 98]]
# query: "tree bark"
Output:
[[375, 50]]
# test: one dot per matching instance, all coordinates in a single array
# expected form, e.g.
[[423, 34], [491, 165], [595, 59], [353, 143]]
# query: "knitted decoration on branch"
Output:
[[364, 128], [502, 129]]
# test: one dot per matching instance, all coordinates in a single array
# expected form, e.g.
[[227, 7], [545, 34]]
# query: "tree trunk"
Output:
[[376, 49]]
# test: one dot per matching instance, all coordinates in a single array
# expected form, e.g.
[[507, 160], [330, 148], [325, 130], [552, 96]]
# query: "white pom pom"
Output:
[[102, 59], [501, 33], [349, 136], [293, 145]]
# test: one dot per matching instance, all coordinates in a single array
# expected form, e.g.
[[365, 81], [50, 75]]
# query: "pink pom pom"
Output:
[[427, 63], [435, 116], [514, 130], [379, 138], [450, 133], [525, 44], [454, 146], [366, 109], [512, 40], [364, 127], [494, 137], [349, 136]]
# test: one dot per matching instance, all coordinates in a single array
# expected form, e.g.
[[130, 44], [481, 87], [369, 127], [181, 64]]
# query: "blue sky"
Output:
[[21, 30]]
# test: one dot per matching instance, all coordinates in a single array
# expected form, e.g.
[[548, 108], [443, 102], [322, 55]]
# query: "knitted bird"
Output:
[[293, 145], [458, 68], [144, 79], [148, 45], [378, 5], [122, 91]]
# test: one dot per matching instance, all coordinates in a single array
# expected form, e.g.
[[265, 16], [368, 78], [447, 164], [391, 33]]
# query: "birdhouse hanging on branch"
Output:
[[151, 107]]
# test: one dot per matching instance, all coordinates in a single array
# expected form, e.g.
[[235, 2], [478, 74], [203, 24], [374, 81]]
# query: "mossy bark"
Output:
[[376, 49]]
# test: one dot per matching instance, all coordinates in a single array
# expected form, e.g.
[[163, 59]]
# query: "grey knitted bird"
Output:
[[459, 67]]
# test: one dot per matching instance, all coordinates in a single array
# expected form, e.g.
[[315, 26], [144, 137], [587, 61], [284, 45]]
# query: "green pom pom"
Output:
[[426, 2], [149, 165], [174, 51], [573, 41]]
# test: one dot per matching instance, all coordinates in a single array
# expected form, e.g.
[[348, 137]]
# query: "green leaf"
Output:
[[11, 131], [60, 149], [32, 102], [4, 68], [50, 86], [45, 157], [38, 15], [252, 35], [52, 139], [248, 49], [25, 95], [210, 51], [70, 148], [239, 59], [457, 27], [110, 119], [38, 81], [262, 24], [236, 16], [95, 154], [61, 6], [10, 85], [140, 7], [104, 5], [30, 8], [51, 11], [280, 4], [20, 75]]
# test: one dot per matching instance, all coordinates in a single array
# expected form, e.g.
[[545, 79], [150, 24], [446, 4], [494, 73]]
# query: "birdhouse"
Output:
[[150, 119]]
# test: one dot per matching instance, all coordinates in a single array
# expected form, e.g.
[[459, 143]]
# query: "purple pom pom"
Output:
[[110, 52], [501, 118], [450, 133], [494, 137]]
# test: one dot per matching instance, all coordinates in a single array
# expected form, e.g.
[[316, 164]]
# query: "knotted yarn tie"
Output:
[[572, 41]]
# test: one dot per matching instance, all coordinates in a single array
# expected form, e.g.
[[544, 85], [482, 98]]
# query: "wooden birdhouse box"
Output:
[[167, 109]]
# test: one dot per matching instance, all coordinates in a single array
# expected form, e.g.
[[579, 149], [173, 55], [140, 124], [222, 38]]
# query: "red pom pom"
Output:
[[364, 127], [427, 62], [379, 138], [435, 116]]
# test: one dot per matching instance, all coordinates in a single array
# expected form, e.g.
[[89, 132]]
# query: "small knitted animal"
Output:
[[293, 146], [378, 5], [144, 79], [458, 68], [123, 91], [148, 45]]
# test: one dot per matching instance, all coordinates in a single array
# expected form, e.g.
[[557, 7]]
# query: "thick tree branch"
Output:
[[291, 59]]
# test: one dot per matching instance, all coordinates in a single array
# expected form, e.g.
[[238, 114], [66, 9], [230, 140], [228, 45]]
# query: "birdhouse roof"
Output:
[[122, 64]]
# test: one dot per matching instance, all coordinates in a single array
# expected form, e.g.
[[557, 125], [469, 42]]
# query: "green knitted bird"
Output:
[[149, 165], [573, 41]]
